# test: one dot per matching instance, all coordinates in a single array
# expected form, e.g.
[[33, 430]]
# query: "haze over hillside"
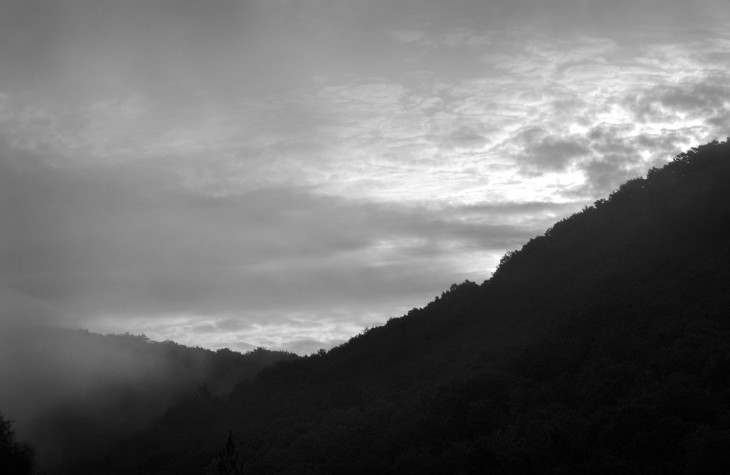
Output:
[[72, 393], [602, 346]]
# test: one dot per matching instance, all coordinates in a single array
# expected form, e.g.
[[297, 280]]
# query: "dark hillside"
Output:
[[602, 346]]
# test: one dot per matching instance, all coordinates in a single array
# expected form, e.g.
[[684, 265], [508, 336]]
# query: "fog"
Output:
[[70, 392]]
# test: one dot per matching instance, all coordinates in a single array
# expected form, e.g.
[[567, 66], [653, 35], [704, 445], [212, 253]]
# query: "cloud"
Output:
[[465, 37], [543, 152], [606, 173], [126, 246], [467, 136], [427, 133], [606, 116], [400, 135], [693, 101], [453, 38], [243, 169], [411, 36]]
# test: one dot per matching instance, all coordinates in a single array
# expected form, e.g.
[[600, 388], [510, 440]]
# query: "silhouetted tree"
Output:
[[228, 461], [16, 458]]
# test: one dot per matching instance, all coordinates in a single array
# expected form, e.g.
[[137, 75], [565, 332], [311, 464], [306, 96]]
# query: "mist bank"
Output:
[[71, 392]]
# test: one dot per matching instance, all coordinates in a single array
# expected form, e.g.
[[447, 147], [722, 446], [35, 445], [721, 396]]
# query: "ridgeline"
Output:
[[602, 346]]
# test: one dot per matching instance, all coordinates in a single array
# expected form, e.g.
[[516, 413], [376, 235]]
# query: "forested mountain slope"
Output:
[[602, 346]]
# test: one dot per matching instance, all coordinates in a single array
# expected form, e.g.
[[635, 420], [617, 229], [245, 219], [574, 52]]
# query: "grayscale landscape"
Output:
[[373, 236]]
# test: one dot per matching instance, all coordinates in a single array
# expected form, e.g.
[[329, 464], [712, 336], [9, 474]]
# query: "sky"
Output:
[[287, 173]]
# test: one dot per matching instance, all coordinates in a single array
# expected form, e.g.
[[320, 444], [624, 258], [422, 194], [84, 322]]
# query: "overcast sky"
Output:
[[284, 173]]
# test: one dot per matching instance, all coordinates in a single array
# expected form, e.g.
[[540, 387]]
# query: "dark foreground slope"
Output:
[[73, 393], [601, 347]]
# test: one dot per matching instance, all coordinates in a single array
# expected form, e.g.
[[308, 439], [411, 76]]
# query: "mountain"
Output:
[[74, 393], [602, 346]]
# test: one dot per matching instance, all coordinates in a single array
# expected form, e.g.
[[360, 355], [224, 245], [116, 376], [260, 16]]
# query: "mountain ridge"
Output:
[[601, 346]]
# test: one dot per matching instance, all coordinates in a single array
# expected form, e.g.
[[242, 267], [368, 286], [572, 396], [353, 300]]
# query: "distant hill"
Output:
[[73, 393], [602, 346]]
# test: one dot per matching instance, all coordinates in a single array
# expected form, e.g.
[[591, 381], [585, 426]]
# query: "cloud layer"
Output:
[[284, 173], [128, 248]]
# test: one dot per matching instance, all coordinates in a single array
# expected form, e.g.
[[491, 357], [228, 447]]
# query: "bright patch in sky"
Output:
[[284, 173]]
